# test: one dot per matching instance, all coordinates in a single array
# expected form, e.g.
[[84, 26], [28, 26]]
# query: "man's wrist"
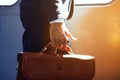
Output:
[[57, 21]]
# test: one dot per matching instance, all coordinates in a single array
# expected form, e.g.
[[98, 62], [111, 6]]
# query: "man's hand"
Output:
[[59, 34]]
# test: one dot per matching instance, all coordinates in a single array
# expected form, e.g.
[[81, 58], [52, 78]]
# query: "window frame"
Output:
[[89, 4], [96, 4], [7, 5]]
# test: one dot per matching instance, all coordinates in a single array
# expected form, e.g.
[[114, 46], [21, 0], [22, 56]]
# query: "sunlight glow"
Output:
[[82, 57], [114, 38]]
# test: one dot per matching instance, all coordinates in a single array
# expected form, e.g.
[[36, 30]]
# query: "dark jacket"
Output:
[[49, 7]]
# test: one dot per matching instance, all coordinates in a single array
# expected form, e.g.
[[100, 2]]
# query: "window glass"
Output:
[[7, 2], [92, 2], [77, 2]]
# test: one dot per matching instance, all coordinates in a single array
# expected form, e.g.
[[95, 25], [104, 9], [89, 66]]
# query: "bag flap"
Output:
[[37, 66]]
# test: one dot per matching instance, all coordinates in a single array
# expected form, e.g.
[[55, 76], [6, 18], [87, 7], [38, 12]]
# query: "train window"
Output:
[[77, 2], [7, 2], [92, 2]]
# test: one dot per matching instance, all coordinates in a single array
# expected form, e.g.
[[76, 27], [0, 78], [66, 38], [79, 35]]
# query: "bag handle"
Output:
[[49, 48]]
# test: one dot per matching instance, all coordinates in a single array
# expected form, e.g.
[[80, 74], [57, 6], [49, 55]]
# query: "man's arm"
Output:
[[59, 35], [58, 31]]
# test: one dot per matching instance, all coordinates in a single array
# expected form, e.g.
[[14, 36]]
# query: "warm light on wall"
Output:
[[114, 38]]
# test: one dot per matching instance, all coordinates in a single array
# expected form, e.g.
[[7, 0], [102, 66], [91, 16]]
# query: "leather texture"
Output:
[[40, 66]]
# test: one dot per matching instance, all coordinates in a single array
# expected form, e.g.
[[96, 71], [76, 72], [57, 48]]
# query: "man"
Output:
[[44, 23]]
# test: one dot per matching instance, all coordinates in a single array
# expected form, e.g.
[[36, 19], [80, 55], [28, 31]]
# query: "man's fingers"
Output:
[[66, 48], [70, 36]]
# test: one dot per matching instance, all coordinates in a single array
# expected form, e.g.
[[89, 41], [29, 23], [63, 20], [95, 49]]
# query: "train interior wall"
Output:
[[96, 27], [10, 41]]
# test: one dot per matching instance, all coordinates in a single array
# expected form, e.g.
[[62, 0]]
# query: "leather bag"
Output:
[[43, 66]]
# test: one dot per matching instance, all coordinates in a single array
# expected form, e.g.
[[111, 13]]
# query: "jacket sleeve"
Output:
[[51, 9], [59, 9]]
